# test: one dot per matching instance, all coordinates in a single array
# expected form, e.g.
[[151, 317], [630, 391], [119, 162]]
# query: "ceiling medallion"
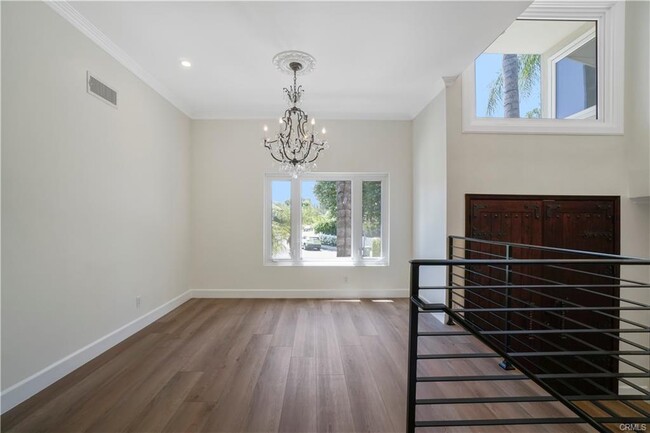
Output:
[[297, 144], [283, 62]]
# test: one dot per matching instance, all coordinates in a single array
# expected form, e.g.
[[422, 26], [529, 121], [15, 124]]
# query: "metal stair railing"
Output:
[[575, 323]]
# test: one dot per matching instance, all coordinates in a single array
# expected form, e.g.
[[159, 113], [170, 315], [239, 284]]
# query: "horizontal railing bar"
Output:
[[626, 361], [503, 421], [563, 331], [581, 353], [533, 377], [475, 400], [542, 248], [596, 310], [637, 408], [635, 386], [459, 356], [585, 375], [556, 360], [486, 378], [542, 286], [594, 274], [590, 397], [444, 334], [476, 252], [542, 383], [525, 262], [474, 310]]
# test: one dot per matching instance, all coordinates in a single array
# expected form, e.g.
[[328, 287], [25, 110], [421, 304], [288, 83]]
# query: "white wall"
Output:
[[430, 192], [228, 164], [637, 114], [95, 200]]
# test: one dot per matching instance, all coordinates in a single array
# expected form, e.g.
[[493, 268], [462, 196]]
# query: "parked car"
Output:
[[311, 243]]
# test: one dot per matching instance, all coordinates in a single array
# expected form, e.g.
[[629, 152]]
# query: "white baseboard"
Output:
[[311, 294], [35, 383]]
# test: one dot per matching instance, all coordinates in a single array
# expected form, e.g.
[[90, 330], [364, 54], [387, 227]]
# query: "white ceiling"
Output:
[[375, 60]]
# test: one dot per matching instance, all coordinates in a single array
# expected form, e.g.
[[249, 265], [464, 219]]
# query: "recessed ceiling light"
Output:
[[186, 63]]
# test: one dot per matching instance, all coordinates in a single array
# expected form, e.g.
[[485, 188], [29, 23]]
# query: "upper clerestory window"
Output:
[[558, 69]]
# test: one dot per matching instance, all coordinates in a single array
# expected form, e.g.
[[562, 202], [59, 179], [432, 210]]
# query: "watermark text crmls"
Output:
[[633, 427]]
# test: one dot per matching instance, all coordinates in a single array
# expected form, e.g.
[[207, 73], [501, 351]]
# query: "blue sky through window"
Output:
[[281, 191]]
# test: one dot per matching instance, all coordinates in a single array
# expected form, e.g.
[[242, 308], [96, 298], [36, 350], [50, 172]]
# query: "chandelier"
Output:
[[297, 144]]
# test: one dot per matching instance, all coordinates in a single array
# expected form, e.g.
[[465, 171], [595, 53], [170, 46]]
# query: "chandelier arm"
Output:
[[268, 145], [286, 143], [302, 136], [275, 157], [319, 147], [318, 151]]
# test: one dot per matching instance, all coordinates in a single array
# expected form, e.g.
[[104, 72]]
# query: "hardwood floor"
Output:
[[270, 366]]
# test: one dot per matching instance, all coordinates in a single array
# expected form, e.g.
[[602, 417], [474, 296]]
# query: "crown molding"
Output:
[[70, 14], [450, 80]]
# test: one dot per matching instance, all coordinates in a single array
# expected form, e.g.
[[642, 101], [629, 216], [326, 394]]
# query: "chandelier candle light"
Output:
[[297, 144]]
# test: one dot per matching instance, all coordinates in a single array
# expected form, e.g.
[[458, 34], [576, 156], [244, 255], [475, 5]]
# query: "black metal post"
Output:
[[412, 349], [450, 278], [505, 364]]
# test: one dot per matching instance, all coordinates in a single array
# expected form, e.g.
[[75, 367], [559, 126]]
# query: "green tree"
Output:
[[327, 226], [371, 196], [343, 219], [310, 215], [325, 192], [280, 226], [334, 198], [518, 75]]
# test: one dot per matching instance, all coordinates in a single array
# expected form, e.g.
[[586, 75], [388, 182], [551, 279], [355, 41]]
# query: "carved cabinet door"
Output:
[[580, 223], [587, 225], [503, 220]]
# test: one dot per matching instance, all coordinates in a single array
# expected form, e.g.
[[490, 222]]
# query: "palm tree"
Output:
[[517, 78], [344, 219]]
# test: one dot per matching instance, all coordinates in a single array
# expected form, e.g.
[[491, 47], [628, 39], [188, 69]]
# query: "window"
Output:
[[326, 218], [573, 80], [557, 69]]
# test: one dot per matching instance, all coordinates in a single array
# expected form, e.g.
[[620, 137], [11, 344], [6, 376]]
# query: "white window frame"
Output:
[[610, 33], [549, 101], [356, 259]]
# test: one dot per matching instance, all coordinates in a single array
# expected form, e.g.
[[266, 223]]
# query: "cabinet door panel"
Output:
[[516, 221], [587, 225], [580, 223]]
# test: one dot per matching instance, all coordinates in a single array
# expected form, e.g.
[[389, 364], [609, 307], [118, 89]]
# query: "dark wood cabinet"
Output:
[[588, 223]]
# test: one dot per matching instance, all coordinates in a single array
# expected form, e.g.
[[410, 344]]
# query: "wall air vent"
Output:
[[96, 88]]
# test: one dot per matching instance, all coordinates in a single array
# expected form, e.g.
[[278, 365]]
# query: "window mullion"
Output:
[[357, 220], [296, 216], [385, 227]]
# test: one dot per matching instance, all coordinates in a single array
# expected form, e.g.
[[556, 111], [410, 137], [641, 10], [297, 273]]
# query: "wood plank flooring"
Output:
[[269, 366]]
